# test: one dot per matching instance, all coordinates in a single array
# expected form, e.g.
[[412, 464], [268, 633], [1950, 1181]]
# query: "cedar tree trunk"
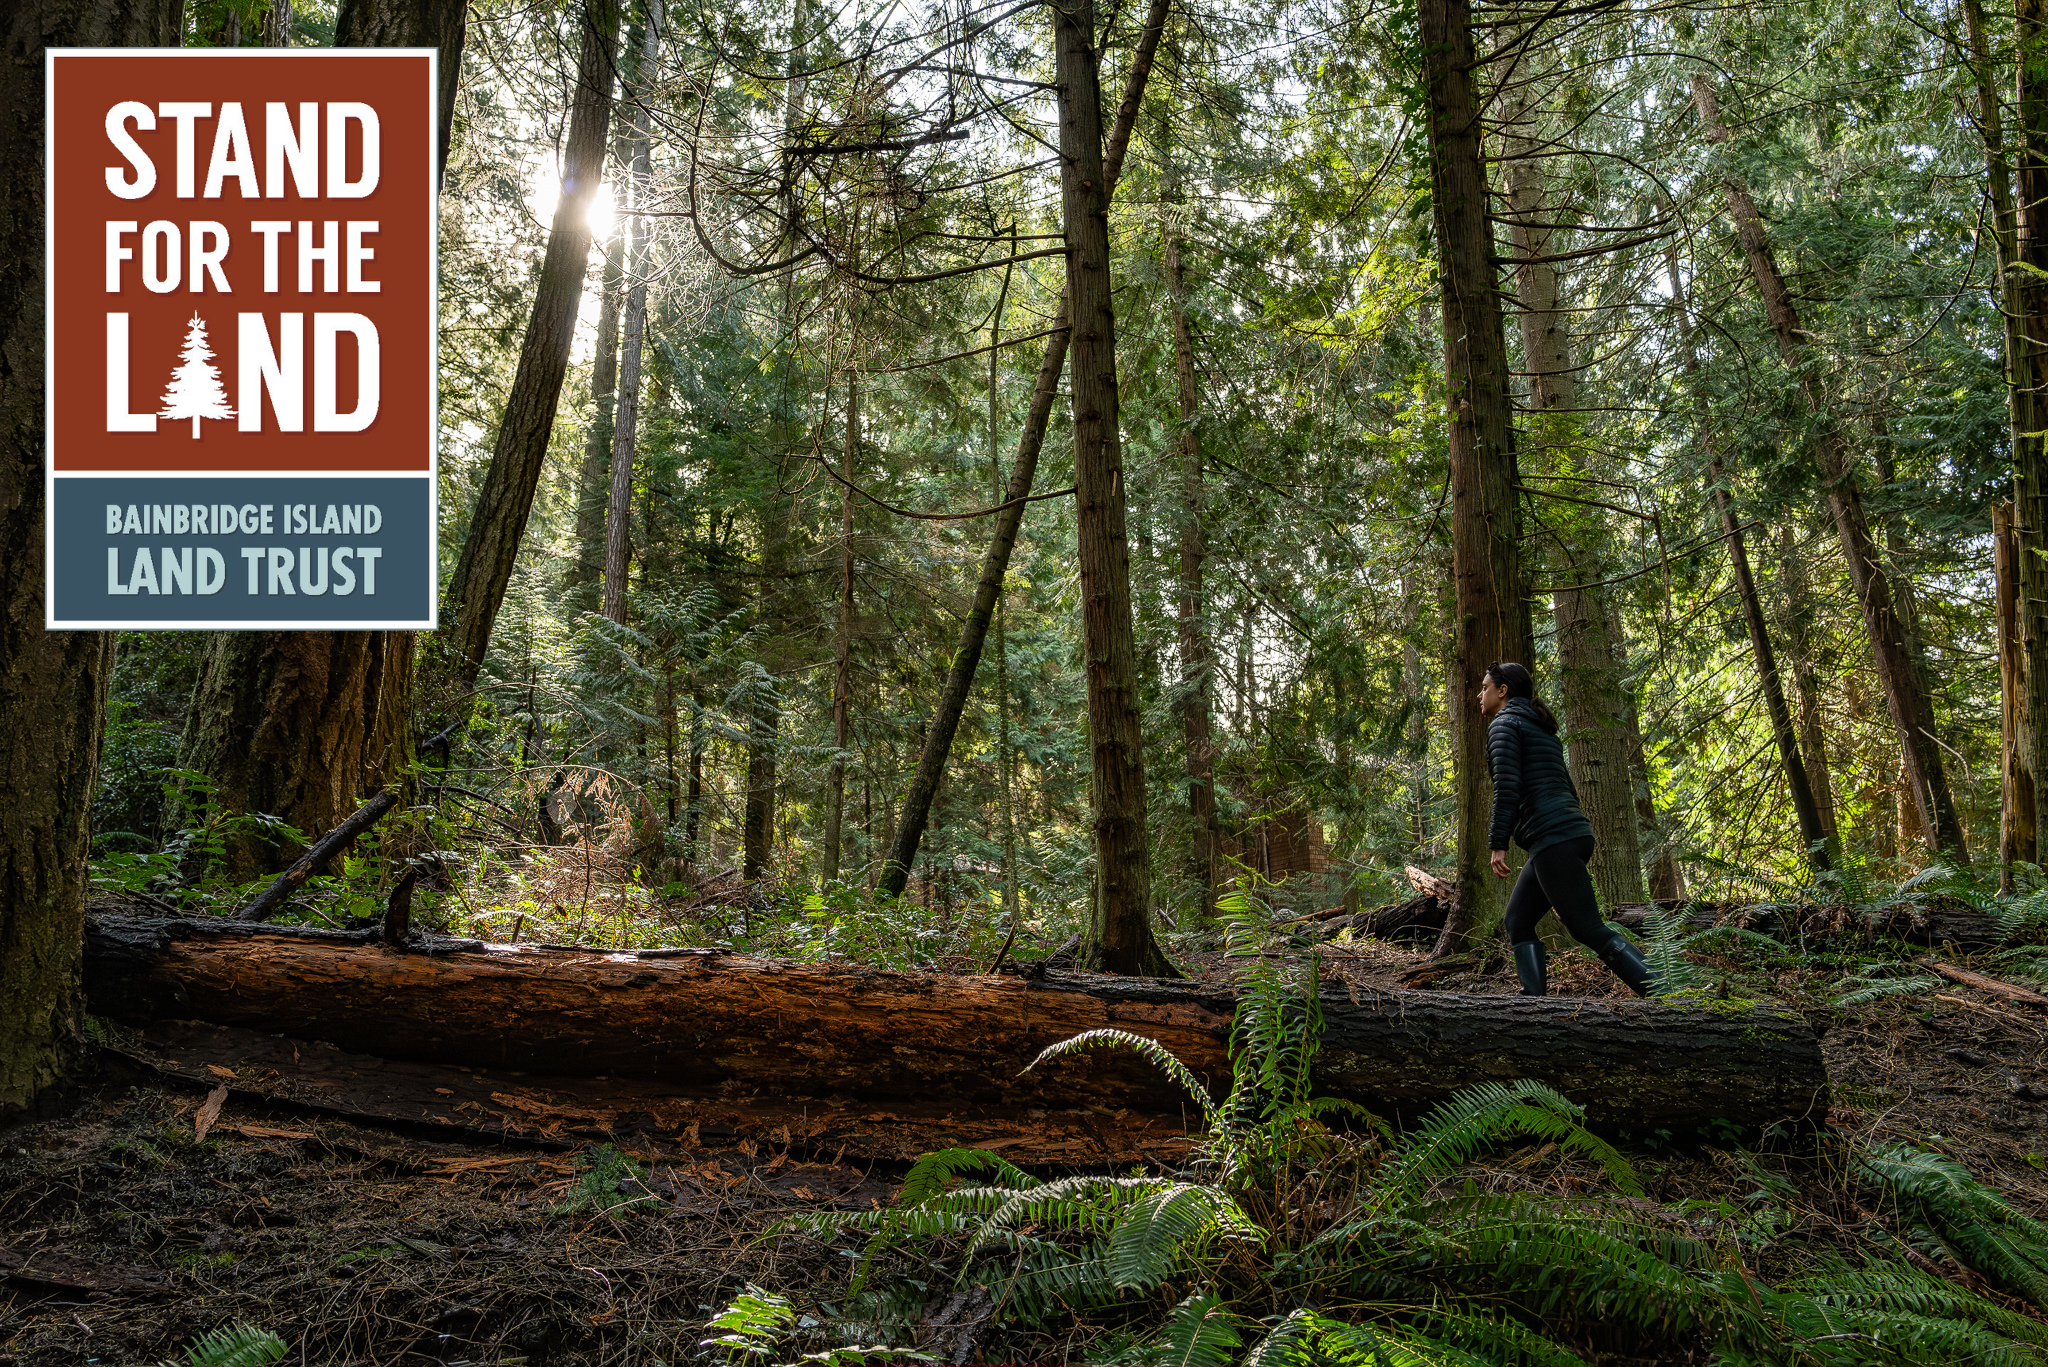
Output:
[[618, 524], [269, 723], [1119, 936], [842, 640], [1491, 619], [593, 476], [2030, 391]]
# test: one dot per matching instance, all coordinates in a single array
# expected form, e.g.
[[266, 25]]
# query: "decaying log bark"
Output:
[[446, 1099], [709, 1020]]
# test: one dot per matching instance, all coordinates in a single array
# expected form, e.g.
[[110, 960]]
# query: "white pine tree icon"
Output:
[[194, 391]]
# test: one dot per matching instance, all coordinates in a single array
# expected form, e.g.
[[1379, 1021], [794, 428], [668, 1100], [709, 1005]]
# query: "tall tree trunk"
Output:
[[1812, 833], [618, 524], [2018, 837], [1590, 670], [2030, 390], [491, 550], [842, 636], [1006, 761], [908, 829], [593, 476], [270, 723], [1905, 683], [1119, 935], [1491, 611], [53, 684], [438, 24], [1195, 651], [1806, 679]]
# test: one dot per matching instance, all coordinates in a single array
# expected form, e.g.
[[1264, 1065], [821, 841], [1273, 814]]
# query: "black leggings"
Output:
[[1555, 878]]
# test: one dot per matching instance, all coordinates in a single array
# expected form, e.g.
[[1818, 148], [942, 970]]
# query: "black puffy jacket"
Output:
[[1533, 797]]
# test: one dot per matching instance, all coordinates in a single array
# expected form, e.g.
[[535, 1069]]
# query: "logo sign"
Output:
[[241, 348]]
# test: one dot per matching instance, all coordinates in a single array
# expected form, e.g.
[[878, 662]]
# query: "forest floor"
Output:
[[123, 1237]]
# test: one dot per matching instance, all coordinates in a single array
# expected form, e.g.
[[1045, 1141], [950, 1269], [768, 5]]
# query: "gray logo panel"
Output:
[[228, 551]]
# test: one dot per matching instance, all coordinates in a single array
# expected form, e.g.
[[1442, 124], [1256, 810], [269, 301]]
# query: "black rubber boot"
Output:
[[1530, 967], [1628, 964]]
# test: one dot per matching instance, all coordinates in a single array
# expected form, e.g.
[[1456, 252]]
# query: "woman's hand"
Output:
[[1500, 863]]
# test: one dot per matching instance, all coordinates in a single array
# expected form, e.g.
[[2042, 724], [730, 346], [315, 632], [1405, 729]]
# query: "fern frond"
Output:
[[1868, 990], [1972, 1221], [236, 1345], [1900, 1287], [1083, 1204], [1479, 1117], [1152, 1050], [1495, 1341], [932, 1174], [1165, 1231], [1200, 1332], [1858, 1336]]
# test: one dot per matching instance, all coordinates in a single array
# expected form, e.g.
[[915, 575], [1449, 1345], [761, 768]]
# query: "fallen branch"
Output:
[[272, 899], [1963, 977]]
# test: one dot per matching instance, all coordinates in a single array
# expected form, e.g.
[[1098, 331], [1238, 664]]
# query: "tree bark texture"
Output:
[[1006, 759], [618, 521], [1905, 683], [489, 553], [1590, 669], [1196, 653], [1813, 834], [53, 685], [1597, 709], [1491, 619], [296, 725], [2018, 838], [713, 1020], [2030, 388], [593, 476], [1119, 936], [910, 824], [439, 24]]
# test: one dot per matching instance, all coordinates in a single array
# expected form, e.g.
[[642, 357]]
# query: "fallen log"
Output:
[[736, 1025]]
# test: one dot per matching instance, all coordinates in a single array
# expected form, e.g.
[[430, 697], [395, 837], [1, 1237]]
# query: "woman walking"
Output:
[[1534, 802]]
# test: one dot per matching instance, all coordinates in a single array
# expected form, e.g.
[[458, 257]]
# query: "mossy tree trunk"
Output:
[[53, 685]]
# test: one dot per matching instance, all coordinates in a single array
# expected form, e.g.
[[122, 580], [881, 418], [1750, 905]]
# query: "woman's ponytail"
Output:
[[1515, 679]]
